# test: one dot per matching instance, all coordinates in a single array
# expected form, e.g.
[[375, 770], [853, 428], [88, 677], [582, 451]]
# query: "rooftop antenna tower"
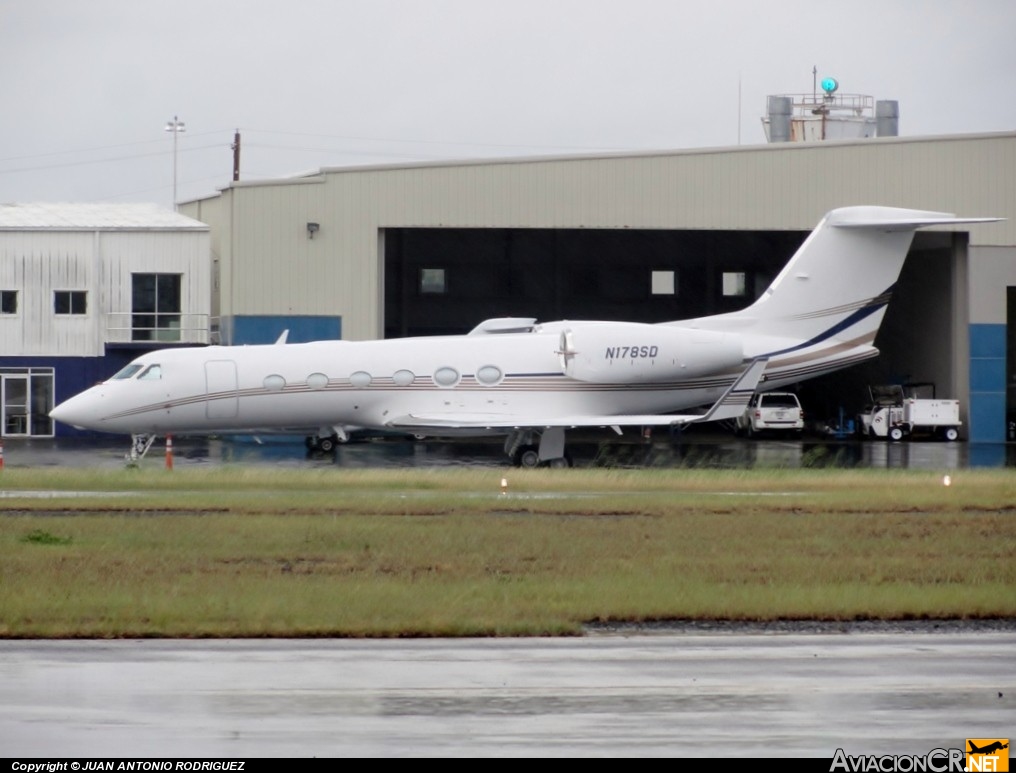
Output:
[[828, 114]]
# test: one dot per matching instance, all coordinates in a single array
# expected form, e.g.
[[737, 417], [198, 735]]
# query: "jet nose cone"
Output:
[[61, 413], [71, 412]]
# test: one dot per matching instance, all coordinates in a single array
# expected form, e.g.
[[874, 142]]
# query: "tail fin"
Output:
[[839, 281]]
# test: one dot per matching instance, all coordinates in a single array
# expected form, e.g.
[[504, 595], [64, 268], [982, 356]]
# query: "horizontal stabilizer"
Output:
[[893, 219]]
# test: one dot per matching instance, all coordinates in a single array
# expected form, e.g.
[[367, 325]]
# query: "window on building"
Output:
[[664, 283], [70, 302], [432, 280], [8, 301], [155, 307], [733, 283]]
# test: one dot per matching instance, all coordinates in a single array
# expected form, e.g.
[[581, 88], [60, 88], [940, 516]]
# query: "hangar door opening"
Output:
[[919, 335], [441, 281]]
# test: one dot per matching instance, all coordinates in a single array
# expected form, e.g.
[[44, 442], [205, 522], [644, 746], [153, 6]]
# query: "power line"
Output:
[[155, 189], [100, 147], [102, 160], [269, 146]]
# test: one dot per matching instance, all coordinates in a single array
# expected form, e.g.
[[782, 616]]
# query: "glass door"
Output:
[[15, 405]]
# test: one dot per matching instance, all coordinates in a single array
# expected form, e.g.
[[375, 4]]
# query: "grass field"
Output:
[[443, 552]]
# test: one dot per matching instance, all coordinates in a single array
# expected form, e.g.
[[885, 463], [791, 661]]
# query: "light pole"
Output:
[[176, 126]]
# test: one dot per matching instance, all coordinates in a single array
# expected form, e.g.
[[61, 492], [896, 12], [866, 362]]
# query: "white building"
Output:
[[85, 288]]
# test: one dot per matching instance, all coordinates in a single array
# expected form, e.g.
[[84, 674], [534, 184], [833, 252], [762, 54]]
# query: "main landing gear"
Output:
[[528, 448], [325, 443]]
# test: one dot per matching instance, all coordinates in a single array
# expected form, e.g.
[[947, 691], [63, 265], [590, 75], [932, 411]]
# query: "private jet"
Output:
[[994, 746], [526, 380]]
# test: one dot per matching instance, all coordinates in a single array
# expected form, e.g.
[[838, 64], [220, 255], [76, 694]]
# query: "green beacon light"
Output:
[[829, 86]]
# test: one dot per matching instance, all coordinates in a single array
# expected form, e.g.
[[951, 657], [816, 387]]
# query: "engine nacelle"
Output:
[[630, 352]]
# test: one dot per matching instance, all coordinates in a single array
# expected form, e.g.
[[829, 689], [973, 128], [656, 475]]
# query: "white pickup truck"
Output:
[[898, 411]]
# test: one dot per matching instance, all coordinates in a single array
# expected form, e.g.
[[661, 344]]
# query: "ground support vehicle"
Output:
[[898, 411]]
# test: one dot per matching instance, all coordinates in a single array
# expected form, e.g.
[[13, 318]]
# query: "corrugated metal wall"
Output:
[[270, 265], [37, 263]]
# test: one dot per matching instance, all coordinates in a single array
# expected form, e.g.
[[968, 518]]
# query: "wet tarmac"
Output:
[[707, 451], [709, 694]]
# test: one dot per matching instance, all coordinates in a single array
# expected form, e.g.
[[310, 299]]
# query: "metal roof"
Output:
[[318, 175], [93, 217]]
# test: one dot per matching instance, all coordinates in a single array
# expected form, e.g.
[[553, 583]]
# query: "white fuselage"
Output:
[[372, 384]]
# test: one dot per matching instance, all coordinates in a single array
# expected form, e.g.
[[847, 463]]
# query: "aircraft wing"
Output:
[[730, 405]]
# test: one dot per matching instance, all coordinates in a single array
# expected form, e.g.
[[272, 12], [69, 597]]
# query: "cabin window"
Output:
[[155, 307], [8, 301], [317, 380], [126, 372], [663, 283], [360, 379], [274, 383], [70, 302], [489, 375], [446, 377], [403, 378], [733, 283], [432, 281]]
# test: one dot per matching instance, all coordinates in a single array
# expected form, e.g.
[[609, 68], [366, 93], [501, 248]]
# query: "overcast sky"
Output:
[[88, 87]]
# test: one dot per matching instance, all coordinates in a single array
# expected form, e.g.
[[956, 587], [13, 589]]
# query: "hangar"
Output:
[[429, 248]]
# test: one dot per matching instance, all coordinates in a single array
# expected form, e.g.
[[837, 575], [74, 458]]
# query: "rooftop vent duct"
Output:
[[780, 110], [887, 118]]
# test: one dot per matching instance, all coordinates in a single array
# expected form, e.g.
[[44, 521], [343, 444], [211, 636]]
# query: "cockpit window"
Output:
[[151, 373], [127, 371]]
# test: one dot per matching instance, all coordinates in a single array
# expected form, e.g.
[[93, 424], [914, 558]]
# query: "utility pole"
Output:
[[236, 156], [176, 126]]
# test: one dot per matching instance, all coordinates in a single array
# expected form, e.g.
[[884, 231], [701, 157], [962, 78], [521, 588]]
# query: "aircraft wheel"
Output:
[[896, 433], [562, 462], [327, 444], [529, 457], [951, 433]]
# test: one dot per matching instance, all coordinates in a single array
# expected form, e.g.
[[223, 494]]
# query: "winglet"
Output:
[[282, 338], [733, 402]]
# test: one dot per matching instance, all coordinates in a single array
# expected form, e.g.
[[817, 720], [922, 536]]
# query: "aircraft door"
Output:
[[220, 379]]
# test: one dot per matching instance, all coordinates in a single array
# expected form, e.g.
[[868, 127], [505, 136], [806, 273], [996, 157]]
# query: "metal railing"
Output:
[[124, 327], [806, 105]]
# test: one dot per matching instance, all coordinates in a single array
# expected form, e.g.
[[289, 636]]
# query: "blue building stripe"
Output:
[[987, 383], [266, 329]]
